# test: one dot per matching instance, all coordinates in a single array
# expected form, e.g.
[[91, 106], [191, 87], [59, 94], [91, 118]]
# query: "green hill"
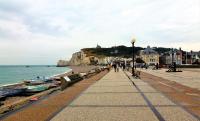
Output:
[[119, 51]]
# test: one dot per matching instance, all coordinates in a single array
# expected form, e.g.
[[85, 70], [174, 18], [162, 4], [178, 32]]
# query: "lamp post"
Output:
[[173, 61], [133, 55], [172, 56]]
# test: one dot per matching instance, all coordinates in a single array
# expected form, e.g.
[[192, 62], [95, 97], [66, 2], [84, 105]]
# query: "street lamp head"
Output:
[[133, 40]]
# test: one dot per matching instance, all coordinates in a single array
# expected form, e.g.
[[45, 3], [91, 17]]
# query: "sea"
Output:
[[11, 74]]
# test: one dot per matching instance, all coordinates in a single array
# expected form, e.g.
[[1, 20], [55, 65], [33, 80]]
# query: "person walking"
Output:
[[115, 67], [123, 66]]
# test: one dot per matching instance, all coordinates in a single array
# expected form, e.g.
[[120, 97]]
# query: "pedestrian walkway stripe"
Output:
[[155, 111]]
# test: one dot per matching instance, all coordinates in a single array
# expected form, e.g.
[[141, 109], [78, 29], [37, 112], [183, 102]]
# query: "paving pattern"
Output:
[[119, 97], [189, 77]]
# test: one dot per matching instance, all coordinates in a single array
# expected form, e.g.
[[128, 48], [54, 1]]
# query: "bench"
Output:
[[137, 74]]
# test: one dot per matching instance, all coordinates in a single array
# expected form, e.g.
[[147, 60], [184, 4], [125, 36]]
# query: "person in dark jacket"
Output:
[[115, 67]]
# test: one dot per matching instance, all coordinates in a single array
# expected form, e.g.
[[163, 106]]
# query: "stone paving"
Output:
[[189, 77], [116, 98]]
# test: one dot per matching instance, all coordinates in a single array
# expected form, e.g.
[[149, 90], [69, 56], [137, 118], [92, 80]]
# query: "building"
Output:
[[191, 57], [180, 57], [195, 56], [149, 56], [165, 58], [98, 46], [172, 56]]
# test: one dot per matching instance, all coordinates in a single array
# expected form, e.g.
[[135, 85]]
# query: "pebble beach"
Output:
[[76, 69]]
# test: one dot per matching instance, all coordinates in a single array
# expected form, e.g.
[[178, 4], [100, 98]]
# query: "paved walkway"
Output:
[[189, 77], [116, 98]]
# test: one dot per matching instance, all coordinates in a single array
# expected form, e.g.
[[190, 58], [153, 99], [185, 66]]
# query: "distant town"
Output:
[[148, 56]]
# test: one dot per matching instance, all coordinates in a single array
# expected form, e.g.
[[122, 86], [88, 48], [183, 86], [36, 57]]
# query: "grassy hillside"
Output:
[[120, 51]]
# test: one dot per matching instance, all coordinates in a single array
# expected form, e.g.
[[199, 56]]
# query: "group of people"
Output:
[[123, 66], [117, 65]]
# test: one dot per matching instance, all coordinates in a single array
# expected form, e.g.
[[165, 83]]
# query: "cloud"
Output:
[[47, 30]]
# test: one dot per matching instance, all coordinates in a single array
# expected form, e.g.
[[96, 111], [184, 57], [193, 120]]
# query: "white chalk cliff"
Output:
[[80, 58]]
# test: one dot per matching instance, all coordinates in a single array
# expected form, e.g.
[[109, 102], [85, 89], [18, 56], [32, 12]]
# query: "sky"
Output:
[[44, 31]]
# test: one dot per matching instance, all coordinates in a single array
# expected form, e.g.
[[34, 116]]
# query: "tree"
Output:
[[139, 60]]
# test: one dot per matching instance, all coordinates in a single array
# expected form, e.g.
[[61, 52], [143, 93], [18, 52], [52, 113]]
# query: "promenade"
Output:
[[189, 77], [119, 97]]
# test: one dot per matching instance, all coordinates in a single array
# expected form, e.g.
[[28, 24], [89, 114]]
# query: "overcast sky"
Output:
[[43, 31]]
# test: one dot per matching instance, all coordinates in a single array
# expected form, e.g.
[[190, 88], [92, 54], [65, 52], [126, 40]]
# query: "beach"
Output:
[[56, 101], [12, 76], [9, 101], [78, 69]]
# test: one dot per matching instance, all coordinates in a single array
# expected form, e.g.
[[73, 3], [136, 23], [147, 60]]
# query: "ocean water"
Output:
[[15, 74]]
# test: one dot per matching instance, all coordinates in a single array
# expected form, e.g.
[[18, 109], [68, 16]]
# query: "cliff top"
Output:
[[120, 51]]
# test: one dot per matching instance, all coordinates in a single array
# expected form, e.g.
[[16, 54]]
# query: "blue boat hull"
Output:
[[8, 92]]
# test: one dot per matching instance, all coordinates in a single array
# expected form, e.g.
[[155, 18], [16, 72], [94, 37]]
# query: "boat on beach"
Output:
[[40, 84], [37, 81], [8, 92], [37, 88], [28, 87], [33, 82]]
